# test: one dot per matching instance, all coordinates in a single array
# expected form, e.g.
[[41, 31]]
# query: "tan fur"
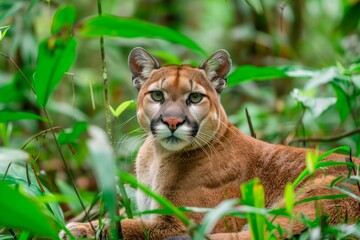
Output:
[[204, 173]]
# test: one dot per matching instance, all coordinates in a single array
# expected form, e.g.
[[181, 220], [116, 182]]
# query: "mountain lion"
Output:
[[194, 156]]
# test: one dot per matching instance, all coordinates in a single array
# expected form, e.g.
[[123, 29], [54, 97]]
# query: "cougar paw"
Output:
[[78, 230]]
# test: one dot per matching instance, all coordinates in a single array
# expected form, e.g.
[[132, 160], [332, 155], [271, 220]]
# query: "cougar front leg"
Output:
[[132, 229], [160, 228], [83, 230]]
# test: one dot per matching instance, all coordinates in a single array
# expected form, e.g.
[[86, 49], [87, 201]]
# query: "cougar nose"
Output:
[[172, 122]]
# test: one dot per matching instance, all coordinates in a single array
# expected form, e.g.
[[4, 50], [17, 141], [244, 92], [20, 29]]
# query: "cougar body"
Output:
[[194, 156]]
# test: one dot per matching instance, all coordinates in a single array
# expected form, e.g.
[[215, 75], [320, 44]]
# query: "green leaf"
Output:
[[102, 161], [13, 161], [63, 20], [10, 92], [252, 194], [311, 160], [350, 21], [8, 116], [121, 108], [113, 26], [3, 31], [342, 103], [317, 105], [55, 57], [341, 149], [19, 211], [213, 216], [316, 198], [253, 73], [289, 198], [70, 136], [127, 178]]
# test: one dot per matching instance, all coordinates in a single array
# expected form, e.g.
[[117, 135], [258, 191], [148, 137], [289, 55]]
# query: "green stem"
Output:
[[67, 170], [116, 230]]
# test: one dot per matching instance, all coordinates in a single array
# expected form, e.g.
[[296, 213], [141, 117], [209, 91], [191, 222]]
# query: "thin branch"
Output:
[[6, 171], [117, 230], [329, 139], [252, 132], [36, 176], [41, 133], [106, 83]]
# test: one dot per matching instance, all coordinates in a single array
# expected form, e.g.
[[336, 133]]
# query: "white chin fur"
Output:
[[181, 137]]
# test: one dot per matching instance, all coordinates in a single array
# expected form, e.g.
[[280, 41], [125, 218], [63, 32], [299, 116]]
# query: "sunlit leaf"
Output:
[[253, 73], [55, 57], [252, 194], [63, 20], [121, 108], [289, 198], [311, 160], [8, 116], [317, 105], [322, 77], [70, 136], [3, 31], [19, 211], [113, 26]]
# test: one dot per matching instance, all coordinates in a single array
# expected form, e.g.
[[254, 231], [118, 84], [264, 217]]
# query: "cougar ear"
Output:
[[216, 67], [141, 64]]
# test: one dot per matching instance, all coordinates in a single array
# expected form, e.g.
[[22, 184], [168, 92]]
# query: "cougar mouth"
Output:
[[173, 140]]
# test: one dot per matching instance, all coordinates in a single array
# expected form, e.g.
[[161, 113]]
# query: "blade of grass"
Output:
[[128, 178]]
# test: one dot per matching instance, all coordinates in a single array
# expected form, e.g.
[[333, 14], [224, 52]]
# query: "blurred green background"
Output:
[[318, 40]]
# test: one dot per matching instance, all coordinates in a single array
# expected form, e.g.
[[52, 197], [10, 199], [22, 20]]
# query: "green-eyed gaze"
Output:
[[195, 97], [157, 96]]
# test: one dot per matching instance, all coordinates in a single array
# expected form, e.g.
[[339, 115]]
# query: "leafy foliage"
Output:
[[277, 73]]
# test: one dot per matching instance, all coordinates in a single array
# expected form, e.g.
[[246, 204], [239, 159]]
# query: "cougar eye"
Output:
[[195, 97], [157, 96]]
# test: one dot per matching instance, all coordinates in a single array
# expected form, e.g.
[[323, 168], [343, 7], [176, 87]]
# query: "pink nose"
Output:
[[172, 122]]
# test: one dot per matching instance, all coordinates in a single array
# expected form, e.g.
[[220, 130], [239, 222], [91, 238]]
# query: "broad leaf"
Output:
[[55, 57], [342, 103], [63, 20], [103, 164], [316, 105], [250, 73], [13, 161], [322, 77], [8, 116], [113, 26], [70, 136], [20, 211]]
